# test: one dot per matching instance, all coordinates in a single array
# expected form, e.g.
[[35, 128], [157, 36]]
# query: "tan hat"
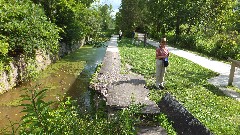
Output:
[[164, 39]]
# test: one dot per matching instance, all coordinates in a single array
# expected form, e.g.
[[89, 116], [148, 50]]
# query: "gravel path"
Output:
[[120, 90], [223, 69]]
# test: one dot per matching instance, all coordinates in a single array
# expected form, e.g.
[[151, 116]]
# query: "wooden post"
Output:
[[235, 63], [231, 75], [145, 39]]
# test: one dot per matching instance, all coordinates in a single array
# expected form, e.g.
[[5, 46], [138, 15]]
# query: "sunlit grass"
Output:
[[188, 82], [15, 102]]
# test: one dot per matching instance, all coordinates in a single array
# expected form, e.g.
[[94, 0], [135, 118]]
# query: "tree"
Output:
[[129, 16], [105, 13], [72, 16]]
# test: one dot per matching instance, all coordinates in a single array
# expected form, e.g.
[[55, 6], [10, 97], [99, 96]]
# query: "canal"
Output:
[[69, 76]]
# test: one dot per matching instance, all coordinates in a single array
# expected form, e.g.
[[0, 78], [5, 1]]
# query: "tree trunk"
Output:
[[177, 30]]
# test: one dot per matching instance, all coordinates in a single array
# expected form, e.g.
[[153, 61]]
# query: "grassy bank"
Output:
[[186, 81]]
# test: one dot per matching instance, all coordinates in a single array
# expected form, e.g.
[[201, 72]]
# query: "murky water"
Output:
[[60, 82]]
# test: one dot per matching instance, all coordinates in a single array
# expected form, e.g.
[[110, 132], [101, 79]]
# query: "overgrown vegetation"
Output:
[[43, 118], [24, 30], [188, 82]]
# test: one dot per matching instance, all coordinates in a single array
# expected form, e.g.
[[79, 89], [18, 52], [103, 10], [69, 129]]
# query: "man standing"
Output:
[[120, 35], [133, 36]]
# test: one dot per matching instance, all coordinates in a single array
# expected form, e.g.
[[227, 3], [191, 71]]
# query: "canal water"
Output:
[[68, 77]]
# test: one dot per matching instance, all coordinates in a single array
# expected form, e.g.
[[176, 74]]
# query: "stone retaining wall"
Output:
[[17, 68]]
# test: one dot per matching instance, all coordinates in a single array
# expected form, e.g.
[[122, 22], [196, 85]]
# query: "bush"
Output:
[[67, 118], [25, 28], [73, 17], [220, 46], [186, 41]]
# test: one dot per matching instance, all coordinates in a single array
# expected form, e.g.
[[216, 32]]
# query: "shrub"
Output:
[[67, 118], [73, 17], [25, 28], [220, 46]]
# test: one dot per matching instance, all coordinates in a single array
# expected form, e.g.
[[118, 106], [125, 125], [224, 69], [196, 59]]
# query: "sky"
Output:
[[115, 4]]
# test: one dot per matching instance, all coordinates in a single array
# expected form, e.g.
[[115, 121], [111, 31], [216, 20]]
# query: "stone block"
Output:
[[184, 122]]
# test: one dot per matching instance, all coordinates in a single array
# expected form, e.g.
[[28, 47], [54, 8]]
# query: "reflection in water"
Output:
[[59, 82], [79, 90]]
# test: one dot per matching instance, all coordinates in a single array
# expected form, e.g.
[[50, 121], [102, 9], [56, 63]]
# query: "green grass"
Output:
[[188, 82]]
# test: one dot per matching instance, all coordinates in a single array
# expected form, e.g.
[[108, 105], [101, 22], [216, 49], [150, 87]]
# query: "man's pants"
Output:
[[160, 71]]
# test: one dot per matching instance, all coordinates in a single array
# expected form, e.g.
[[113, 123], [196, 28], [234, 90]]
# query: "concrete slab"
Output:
[[151, 131]]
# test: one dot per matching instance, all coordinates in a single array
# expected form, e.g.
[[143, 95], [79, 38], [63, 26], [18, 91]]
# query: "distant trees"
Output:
[[73, 16], [207, 26], [106, 18], [130, 16]]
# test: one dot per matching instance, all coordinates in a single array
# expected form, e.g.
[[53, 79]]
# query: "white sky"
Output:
[[115, 4]]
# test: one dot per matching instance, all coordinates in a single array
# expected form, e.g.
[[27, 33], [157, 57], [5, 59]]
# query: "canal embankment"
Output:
[[69, 76]]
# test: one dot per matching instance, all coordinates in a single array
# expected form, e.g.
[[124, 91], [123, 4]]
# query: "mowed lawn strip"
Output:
[[188, 83]]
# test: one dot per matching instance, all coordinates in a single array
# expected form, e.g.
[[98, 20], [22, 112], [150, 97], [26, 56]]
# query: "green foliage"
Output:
[[131, 17], [94, 77], [226, 46], [98, 43], [143, 63], [36, 120], [205, 26], [3, 46], [220, 46], [1, 66], [107, 20], [25, 28], [73, 17], [86, 2], [188, 82], [42, 118], [162, 118], [31, 70], [126, 119]]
